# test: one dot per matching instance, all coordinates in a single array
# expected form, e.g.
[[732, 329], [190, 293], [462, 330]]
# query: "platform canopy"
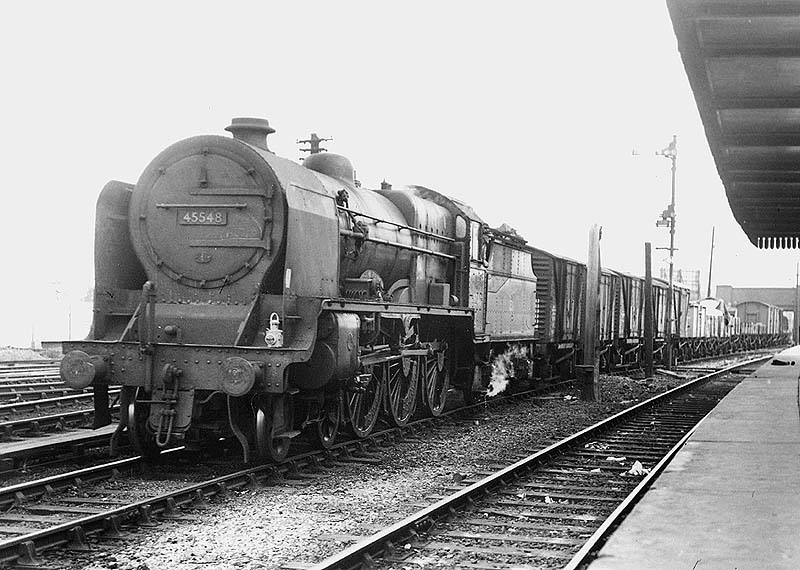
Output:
[[743, 62]]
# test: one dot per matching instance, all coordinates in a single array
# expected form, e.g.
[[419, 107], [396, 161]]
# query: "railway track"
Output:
[[41, 452], [37, 426], [34, 401], [552, 508], [47, 512], [41, 519], [21, 372], [22, 377], [40, 404], [34, 391], [27, 364]]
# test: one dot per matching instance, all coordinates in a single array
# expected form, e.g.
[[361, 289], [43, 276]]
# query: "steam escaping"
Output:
[[503, 369]]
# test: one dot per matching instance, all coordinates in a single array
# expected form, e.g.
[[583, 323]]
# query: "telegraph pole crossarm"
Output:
[[313, 143]]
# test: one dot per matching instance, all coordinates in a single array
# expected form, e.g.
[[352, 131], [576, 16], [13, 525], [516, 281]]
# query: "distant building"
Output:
[[687, 277], [782, 297]]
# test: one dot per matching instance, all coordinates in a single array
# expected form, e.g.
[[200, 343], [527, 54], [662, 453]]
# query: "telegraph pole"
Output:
[[648, 313], [668, 219], [711, 262], [796, 324], [589, 369]]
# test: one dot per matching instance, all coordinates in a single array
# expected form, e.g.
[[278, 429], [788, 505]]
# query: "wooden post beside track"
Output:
[[648, 313], [590, 368], [796, 325]]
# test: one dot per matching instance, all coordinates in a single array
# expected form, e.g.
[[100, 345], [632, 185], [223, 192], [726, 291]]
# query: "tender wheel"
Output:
[[328, 426], [435, 381], [135, 418], [273, 414], [402, 381], [364, 405]]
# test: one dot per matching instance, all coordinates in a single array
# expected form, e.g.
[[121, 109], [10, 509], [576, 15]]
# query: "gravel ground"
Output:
[[285, 523], [12, 353]]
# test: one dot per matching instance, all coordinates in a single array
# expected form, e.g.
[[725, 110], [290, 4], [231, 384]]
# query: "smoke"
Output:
[[503, 369]]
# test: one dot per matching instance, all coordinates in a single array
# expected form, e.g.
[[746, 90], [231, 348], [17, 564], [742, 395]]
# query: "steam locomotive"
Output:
[[241, 295], [238, 293]]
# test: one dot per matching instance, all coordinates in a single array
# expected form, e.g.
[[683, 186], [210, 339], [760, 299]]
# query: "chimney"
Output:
[[251, 130]]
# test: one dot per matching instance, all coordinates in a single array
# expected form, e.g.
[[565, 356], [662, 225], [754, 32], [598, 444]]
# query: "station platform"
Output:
[[730, 499]]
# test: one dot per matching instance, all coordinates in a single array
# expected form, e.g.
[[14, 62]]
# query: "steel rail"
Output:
[[753, 352], [51, 453], [14, 397], [21, 364], [43, 423], [30, 387], [383, 542], [33, 404], [21, 492], [23, 549], [23, 376], [627, 505], [82, 417]]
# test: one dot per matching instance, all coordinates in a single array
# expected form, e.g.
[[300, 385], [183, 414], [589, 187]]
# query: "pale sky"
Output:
[[528, 111]]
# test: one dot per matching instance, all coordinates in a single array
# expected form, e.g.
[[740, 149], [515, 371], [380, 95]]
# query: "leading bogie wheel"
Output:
[[272, 415], [136, 414], [402, 381], [364, 403]]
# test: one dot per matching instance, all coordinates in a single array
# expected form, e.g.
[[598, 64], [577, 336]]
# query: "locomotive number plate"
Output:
[[202, 217]]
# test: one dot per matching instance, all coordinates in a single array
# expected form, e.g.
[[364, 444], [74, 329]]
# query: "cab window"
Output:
[[475, 241], [461, 227]]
